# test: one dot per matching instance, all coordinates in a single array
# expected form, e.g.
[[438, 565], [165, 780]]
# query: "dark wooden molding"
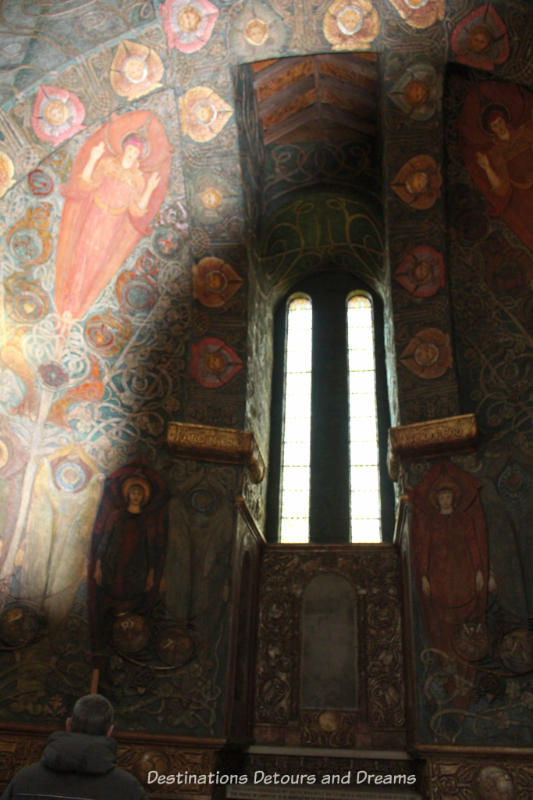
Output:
[[220, 445], [431, 439]]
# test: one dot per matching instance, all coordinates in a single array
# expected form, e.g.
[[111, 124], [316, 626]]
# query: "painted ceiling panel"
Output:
[[37, 37], [324, 97]]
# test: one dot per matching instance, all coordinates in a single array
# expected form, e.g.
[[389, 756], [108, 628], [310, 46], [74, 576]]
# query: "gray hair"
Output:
[[93, 714]]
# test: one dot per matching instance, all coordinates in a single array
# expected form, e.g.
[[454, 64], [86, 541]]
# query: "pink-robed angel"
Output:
[[116, 187]]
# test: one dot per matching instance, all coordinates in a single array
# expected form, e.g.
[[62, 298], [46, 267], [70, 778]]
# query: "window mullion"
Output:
[[330, 500]]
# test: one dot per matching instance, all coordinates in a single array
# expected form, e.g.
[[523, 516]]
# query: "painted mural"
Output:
[[124, 305], [473, 635], [475, 666], [496, 127], [97, 319]]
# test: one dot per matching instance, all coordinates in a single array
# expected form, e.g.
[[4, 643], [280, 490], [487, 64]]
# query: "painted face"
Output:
[[479, 39], [499, 127], [216, 281], [136, 495], [350, 20], [130, 155], [417, 182], [256, 31], [189, 19], [211, 198], [416, 93], [205, 113], [426, 354], [445, 501], [421, 271], [216, 363], [135, 69], [495, 783], [56, 112]]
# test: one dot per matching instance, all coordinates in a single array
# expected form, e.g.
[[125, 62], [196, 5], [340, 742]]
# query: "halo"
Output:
[[136, 480]]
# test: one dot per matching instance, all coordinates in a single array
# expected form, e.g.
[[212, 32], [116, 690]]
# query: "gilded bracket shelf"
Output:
[[220, 445], [431, 439]]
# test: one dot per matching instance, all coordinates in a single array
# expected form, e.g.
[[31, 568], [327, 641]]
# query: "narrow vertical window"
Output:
[[296, 446], [364, 457]]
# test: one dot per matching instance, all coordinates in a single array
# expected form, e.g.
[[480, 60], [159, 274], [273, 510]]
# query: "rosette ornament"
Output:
[[136, 70], [188, 24], [203, 113], [57, 115], [351, 24]]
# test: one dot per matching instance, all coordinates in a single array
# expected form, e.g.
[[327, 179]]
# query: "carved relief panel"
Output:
[[349, 692]]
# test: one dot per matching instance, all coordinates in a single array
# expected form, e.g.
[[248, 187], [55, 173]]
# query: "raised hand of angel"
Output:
[[483, 161], [96, 153], [151, 184]]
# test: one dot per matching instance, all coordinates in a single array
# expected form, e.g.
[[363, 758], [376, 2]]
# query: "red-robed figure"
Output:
[[449, 543], [496, 127], [116, 186], [129, 544]]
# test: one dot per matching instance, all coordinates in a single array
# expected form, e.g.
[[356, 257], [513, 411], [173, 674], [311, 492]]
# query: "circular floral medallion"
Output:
[[256, 32], [53, 375], [26, 302], [516, 651], [167, 241], [188, 24], [18, 625], [71, 475], [130, 633], [57, 114], [349, 25], [175, 646]]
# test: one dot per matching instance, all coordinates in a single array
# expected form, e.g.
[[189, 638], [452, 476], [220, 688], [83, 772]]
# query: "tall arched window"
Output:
[[328, 481], [296, 437], [365, 511]]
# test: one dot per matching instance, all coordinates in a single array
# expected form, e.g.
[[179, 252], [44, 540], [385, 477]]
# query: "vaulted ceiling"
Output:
[[328, 97]]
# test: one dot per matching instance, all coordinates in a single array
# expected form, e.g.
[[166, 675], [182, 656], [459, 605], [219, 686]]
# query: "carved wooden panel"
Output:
[[190, 768], [378, 720], [487, 777], [240, 680]]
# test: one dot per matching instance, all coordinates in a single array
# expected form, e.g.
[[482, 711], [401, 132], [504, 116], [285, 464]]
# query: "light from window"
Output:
[[364, 468], [296, 447]]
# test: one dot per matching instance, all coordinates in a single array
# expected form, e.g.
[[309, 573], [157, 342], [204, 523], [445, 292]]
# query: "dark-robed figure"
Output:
[[129, 544]]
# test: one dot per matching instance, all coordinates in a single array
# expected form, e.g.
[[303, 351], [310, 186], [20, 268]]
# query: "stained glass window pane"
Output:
[[296, 447], [364, 469]]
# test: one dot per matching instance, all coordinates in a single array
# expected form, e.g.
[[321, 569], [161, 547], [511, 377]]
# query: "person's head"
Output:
[[445, 500], [479, 38], [92, 714], [495, 120], [136, 494], [132, 150], [498, 125]]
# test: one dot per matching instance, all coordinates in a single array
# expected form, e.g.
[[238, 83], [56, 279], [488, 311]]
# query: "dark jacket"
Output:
[[75, 766]]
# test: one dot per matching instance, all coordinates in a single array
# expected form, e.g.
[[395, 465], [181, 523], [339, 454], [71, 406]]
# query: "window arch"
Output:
[[328, 480]]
